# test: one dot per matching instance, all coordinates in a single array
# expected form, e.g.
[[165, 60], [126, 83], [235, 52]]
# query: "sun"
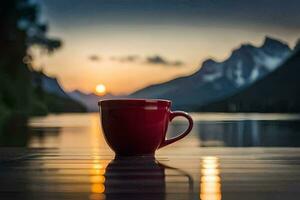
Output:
[[100, 89]]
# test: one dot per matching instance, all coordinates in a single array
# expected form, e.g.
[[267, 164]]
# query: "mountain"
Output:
[[59, 100], [217, 80], [48, 84], [278, 92], [53, 97], [90, 101], [297, 46]]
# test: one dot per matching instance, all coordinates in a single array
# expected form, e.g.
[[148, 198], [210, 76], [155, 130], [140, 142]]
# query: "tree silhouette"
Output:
[[20, 29]]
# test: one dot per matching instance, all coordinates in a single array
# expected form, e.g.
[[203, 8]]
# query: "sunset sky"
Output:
[[129, 44]]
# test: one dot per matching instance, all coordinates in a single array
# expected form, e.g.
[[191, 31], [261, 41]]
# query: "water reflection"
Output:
[[233, 132], [210, 181], [44, 136], [14, 132], [67, 131], [249, 133]]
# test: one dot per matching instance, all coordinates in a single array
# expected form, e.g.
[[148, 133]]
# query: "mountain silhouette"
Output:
[[54, 97], [217, 80], [278, 92], [48, 84]]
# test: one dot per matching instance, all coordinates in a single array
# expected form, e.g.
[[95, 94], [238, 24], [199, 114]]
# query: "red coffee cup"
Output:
[[138, 126]]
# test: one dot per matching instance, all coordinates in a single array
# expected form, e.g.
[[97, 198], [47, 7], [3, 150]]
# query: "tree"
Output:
[[20, 29]]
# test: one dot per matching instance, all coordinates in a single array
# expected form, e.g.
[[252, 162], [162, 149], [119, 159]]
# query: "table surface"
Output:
[[203, 173]]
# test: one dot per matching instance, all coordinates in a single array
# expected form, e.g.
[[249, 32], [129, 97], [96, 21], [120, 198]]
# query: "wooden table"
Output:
[[191, 173]]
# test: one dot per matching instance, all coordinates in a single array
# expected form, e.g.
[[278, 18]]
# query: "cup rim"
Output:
[[134, 102]]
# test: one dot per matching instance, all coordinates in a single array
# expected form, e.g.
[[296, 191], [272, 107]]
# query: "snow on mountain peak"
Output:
[[274, 47], [214, 80]]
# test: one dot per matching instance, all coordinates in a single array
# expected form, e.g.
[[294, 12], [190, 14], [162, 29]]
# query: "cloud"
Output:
[[94, 58], [151, 60], [158, 60], [128, 58]]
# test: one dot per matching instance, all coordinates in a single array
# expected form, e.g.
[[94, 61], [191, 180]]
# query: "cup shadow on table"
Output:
[[140, 178]]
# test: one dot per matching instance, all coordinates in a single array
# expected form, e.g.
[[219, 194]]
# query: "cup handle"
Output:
[[174, 114]]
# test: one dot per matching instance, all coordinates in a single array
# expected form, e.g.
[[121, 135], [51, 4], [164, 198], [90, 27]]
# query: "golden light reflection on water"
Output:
[[96, 139], [210, 180], [97, 172], [97, 179]]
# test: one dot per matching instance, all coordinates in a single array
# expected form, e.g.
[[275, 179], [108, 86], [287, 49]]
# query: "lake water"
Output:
[[226, 157], [210, 130]]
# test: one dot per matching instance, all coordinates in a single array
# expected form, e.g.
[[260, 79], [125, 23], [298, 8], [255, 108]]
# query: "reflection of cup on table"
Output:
[[138, 178], [134, 178], [138, 126]]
